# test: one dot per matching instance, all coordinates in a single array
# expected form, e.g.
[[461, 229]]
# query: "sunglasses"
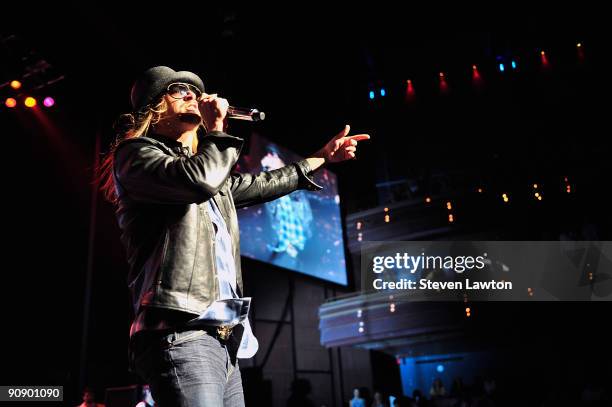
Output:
[[180, 90]]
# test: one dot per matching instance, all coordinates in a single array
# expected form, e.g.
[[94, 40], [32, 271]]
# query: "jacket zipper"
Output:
[[212, 256]]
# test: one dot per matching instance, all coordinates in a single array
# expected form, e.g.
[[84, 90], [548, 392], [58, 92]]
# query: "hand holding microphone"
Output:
[[216, 110]]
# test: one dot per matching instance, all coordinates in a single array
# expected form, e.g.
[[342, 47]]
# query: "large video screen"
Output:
[[301, 231]]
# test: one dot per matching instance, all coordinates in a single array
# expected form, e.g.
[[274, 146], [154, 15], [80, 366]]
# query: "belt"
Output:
[[163, 320], [159, 322]]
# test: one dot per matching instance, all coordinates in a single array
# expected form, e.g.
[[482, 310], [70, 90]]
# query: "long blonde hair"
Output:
[[128, 126]]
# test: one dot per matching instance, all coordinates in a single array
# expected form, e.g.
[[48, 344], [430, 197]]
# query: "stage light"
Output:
[[409, 90], [451, 218], [15, 84], [372, 95], [544, 59], [535, 186], [359, 225], [10, 102], [505, 198], [513, 64], [359, 237], [30, 101], [387, 219], [48, 102], [409, 87], [440, 369], [428, 200], [580, 51], [449, 206], [475, 74], [501, 68], [443, 83], [480, 190], [383, 92]]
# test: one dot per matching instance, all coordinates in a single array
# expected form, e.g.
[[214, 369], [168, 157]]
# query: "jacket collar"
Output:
[[165, 140], [172, 144]]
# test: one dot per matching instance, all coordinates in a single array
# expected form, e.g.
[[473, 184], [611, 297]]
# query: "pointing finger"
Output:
[[359, 137]]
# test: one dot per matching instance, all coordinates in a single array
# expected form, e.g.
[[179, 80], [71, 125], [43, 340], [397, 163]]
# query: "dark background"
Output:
[[310, 69]]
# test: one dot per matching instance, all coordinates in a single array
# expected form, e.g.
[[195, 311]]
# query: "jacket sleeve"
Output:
[[250, 189], [145, 173]]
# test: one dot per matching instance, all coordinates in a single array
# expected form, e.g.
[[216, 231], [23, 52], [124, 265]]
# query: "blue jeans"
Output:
[[188, 368]]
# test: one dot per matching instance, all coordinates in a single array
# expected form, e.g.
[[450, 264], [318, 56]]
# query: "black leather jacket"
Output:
[[166, 229]]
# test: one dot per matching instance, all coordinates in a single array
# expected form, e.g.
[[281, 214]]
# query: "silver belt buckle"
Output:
[[224, 332]]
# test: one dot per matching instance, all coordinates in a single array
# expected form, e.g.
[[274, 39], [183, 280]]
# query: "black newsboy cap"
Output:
[[154, 81]]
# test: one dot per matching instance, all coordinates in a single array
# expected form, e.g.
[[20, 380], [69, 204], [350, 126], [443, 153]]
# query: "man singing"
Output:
[[170, 177]]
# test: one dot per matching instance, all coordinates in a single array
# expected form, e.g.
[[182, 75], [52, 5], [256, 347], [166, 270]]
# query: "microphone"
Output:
[[240, 113]]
